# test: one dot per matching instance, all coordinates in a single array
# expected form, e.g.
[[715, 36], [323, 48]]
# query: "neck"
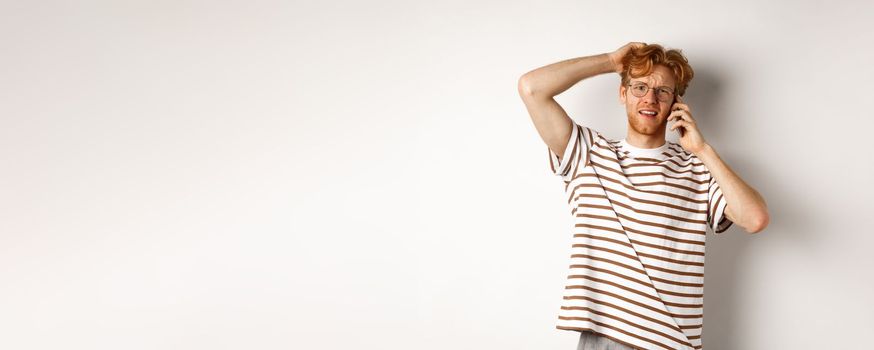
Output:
[[645, 141]]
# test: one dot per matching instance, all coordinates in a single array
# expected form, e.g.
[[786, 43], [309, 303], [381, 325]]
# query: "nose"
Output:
[[650, 96]]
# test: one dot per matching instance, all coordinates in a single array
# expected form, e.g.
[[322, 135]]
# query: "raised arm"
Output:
[[539, 87]]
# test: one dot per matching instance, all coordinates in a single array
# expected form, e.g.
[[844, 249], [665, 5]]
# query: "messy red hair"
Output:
[[640, 62]]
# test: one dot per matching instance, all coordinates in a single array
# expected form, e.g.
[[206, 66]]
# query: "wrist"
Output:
[[703, 150], [612, 63]]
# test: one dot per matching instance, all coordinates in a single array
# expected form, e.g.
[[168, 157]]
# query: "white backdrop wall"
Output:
[[339, 175]]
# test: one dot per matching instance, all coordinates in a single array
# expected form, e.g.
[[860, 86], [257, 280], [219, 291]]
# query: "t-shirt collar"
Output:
[[644, 152]]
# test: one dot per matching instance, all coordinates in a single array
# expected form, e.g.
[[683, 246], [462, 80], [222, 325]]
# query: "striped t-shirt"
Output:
[[637, 261]]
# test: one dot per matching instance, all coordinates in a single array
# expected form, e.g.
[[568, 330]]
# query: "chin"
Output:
[[640, 127], [647, 132]]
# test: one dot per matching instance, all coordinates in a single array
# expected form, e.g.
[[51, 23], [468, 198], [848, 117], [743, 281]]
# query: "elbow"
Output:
[[759, 223], [524, 87], [529, 88]]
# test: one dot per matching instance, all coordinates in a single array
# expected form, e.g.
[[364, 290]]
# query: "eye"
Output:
[[666, 91], [639, 88]]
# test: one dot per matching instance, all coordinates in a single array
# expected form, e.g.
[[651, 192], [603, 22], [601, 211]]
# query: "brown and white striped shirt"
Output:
[[637, 261]]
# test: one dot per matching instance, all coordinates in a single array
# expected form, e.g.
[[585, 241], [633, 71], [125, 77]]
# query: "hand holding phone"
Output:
[[675, 108]]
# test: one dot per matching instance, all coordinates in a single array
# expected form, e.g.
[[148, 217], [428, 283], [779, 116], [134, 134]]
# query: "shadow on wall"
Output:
[[727, 251], [704, 95]]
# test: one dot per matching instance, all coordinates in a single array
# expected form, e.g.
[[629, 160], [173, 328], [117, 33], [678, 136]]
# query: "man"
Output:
[[641, 205]]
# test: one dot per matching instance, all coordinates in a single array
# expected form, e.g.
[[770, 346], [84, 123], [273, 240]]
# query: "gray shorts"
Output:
[[592, 341]]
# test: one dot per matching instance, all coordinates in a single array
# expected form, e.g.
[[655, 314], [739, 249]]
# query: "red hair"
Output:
[[641, 61]]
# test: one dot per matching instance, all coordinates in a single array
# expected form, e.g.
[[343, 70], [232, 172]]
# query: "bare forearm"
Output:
[[746, 206], [555, 78]]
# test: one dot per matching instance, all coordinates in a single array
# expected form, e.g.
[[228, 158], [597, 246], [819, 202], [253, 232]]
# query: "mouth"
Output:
[[648, 113]]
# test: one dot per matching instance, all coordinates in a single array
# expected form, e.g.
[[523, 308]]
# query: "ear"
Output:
[[622, 89]]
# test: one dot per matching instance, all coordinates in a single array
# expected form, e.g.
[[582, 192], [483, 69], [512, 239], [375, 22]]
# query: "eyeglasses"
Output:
[[662, 93]]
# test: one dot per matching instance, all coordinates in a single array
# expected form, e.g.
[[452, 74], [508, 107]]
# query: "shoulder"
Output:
[[677, 152], [685, 160], [602, 140]]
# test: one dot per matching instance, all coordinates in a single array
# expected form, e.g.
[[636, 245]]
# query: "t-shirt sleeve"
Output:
[[716, 218], [576, 153]]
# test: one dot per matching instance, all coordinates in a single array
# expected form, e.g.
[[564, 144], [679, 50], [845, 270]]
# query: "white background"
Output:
[[363, 175]]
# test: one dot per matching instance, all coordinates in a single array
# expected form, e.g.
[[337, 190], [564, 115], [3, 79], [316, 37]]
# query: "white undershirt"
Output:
[[644, 152]]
